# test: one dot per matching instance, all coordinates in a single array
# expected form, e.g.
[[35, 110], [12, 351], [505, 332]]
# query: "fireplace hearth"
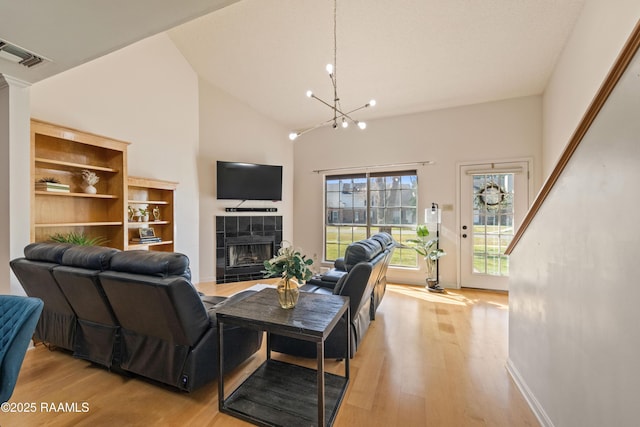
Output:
[[243, 243]]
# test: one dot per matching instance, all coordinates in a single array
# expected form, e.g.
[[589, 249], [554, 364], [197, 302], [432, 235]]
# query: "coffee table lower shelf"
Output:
[[282, 394]]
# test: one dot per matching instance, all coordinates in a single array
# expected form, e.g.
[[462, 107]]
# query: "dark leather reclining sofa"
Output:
[[376, 250], [362, 276], [131, 311]]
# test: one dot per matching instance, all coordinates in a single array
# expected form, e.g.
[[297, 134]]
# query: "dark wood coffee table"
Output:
[[279, 393]]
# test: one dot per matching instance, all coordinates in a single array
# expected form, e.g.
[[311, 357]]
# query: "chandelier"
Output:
[[339, 116]]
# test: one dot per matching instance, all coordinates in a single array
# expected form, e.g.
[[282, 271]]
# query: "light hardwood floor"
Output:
[[427, 360]]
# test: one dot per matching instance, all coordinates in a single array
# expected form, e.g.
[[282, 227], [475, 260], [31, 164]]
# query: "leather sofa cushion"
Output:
[[159, 264], [46, 251], [378, 258], [384, 239], [89, 257], [363, 250]]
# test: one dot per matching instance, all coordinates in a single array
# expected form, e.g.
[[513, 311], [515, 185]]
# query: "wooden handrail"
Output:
[[615, 73]]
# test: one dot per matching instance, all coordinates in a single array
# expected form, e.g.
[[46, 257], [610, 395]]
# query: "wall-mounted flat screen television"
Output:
[[248, 181]]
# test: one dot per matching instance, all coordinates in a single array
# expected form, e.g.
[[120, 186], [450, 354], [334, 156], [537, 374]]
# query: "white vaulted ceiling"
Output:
[[410, 55], [72, 32]]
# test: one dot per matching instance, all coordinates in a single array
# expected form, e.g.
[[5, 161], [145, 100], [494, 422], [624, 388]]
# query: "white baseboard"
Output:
[[535, 406]]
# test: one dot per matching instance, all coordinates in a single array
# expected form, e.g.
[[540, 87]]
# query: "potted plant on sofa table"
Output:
[[428, 248]]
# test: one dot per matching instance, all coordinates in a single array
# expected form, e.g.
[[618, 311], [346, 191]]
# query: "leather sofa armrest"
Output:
[[328, 280], [333, 275], [315, 289], [213, 302], [210, 302]]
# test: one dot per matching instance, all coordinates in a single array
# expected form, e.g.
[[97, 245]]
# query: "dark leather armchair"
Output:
[[18, 317], [357, 286]]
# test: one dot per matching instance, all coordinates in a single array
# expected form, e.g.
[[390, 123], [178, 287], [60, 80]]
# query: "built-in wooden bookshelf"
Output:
[[62, 154], [151, 195]]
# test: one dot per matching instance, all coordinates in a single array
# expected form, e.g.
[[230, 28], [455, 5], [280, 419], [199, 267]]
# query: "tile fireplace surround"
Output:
[[243, 243]]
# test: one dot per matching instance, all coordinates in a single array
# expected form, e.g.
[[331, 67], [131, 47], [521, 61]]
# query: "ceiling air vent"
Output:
[[18, 55]]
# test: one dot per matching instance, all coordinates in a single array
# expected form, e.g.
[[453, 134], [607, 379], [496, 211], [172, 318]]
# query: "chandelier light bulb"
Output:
[[293, 136], [330, 68], [362, 125], [372, 103], [345, 124], [309, 94]]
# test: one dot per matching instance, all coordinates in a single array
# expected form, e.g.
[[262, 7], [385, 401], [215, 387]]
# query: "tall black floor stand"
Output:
[[435, 215]]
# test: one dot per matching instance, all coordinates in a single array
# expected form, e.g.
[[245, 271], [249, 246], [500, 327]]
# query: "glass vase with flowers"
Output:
[[293, 268]]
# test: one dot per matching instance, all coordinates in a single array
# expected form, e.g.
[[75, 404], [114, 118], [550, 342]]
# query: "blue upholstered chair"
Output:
[[18, 319]]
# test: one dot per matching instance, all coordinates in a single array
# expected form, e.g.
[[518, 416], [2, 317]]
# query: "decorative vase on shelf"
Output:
[[90, 179], [143, 215], [288, 292]]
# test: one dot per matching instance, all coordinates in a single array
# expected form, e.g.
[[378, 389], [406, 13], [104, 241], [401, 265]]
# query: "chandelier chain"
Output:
[[335, 39], [335, 63], [338, 112]]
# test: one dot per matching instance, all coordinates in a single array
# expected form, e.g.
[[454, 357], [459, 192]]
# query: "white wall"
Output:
[[232, 131], [15, 154], [595, 42], [573, 304], [146, 94], [19, 175], [484, 132]]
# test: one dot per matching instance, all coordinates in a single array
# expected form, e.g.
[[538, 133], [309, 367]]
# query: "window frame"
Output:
[[359, 230]]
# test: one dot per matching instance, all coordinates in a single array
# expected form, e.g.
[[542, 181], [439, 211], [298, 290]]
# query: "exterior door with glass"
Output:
[[494, 199]]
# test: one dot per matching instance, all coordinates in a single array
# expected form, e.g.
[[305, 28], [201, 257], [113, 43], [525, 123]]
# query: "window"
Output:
[[360, 205], [493, 212]]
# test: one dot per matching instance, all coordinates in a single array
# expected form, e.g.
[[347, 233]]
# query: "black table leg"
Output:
[[347, 356], [268, 345], [320, 357], [220, 365]]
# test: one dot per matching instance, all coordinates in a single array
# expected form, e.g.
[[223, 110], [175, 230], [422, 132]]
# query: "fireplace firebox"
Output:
[[249, 251], [243, 243]]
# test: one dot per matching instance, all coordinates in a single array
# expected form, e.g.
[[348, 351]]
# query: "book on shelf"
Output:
[[146, 240], [52, 186]]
